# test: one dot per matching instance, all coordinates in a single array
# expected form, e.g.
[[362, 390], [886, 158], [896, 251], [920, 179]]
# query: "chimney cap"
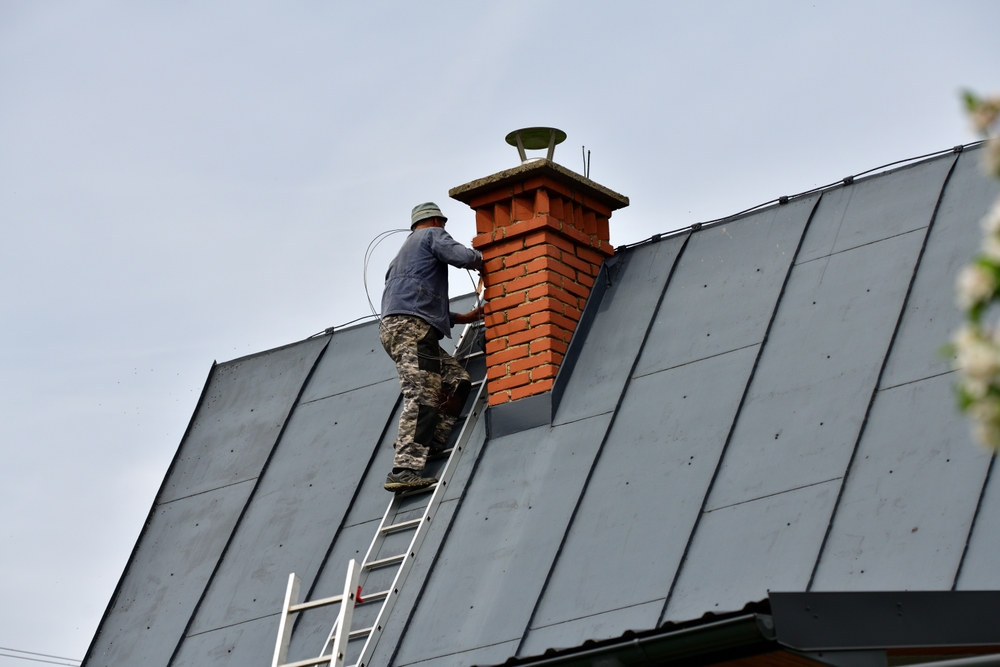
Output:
[[535, 139]]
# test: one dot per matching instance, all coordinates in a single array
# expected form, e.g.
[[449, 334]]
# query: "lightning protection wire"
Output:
[[70, 662], [372, 245], [849, 180]]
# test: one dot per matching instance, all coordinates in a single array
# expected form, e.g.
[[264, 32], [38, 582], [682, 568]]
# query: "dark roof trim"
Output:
[[742, 636], [853, 621]]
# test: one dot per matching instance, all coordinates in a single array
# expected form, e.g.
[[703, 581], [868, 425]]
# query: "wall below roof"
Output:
[[757, 405]]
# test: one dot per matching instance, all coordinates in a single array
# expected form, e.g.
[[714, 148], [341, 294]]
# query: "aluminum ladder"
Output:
[[341, 633]]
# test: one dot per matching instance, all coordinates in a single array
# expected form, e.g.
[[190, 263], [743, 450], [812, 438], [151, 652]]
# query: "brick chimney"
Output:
[[543, 232]]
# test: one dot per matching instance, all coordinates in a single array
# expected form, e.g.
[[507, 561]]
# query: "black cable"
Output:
[[72, 662], [785, 199]]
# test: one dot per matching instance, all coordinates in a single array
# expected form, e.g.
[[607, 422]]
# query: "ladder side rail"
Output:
[[287, 620], [346, 615], [418, 537], [390, 512], [376, 543]]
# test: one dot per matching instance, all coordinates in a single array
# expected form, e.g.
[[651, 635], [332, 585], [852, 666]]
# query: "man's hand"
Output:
[[469, 317]]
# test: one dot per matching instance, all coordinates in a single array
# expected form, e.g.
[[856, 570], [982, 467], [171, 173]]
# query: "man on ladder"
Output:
[[415, 316]]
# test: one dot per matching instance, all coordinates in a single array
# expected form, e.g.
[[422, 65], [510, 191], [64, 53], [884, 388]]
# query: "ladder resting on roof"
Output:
[[334, 650]]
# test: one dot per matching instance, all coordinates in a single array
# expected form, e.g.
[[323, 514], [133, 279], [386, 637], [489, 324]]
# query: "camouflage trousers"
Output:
[[434, 387]]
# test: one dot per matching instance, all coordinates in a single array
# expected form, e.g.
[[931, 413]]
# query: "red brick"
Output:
[[493, 320], [533, 279], [494, 292], [503, 303], [524, 227], [549, 289], [509, 354], [541, 201], [585, 280], [531, 389], [509, 382], [484, 220], [496, 372], [523, 209], [576, 263], [501, 214], [493, 265], [509, 328], [572, 312], [589, 222], [548, 317], [597, 207], [531, 253], [549, 236], [542, 344], [495, 345], [576, 288], [536, 306], [602, 228], [482, 240], [497, 399], [606, 248], [576, 235], [589, 255], [556, 207], [543, 372], [539, 333], [551, 264], [502, 248], [534, 361], [498, 277]]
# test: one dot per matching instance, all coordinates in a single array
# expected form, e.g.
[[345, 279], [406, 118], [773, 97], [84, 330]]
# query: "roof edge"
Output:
[[741, 636]]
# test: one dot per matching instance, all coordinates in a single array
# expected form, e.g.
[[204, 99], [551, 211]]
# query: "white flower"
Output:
[[991, 221], [991, 157], [986, 410], [987, 434], [975, 285], [991, 248], [985, 114], [977, 357]]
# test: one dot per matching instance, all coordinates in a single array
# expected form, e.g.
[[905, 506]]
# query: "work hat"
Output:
[[424, 211]]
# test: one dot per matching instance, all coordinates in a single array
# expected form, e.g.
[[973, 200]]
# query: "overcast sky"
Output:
[[183, 182]]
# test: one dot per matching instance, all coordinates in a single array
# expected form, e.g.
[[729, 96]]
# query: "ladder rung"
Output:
[[396, 527], [478, 382], [309, 662], [391, 560], [373, 597], [359, 633], [472, 355], [312, 604], [414, 492]]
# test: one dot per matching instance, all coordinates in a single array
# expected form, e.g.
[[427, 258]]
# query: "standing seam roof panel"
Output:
[[202, 498], [665, 444], [810, 394], [884, 536]]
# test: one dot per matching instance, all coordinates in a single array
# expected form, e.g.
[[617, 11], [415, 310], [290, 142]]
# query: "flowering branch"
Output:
[[976, 345]]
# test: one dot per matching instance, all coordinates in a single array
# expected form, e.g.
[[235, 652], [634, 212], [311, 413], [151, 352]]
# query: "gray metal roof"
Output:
[[750, 406]]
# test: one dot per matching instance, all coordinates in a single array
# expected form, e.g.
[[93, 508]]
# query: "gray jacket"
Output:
[[417, 280]]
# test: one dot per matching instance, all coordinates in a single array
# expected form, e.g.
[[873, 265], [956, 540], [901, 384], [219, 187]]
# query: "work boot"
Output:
[[407, 480]]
